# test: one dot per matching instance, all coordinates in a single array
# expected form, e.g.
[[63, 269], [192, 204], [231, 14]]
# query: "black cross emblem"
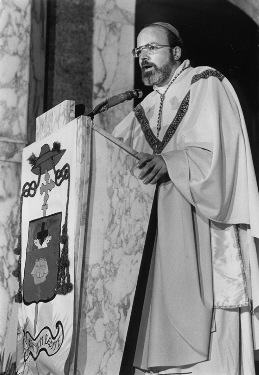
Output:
[[42, 234]]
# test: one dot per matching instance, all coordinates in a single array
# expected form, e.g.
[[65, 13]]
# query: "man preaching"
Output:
[[203, 289]]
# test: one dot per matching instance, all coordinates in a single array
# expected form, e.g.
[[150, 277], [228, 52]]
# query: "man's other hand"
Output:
[[153, 168]]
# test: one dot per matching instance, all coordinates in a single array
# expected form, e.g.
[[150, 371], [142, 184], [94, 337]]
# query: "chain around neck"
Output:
[[162, 98]]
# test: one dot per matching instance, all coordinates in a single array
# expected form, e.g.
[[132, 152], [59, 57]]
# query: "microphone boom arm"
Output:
[[114, 100]]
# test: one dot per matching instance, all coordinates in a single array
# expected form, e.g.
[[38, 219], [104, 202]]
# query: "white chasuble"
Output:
[[199, 262]]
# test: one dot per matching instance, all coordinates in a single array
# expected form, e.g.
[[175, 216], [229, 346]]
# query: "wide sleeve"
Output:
[[209, 168], [125, 130], [130, 132]]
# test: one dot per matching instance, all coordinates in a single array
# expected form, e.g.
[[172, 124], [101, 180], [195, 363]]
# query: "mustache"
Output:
[[147, 64]]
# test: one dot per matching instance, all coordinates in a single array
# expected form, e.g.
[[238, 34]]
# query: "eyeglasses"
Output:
[[151, 48]]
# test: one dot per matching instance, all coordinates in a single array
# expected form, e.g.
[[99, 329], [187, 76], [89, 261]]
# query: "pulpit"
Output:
[[85, 228]]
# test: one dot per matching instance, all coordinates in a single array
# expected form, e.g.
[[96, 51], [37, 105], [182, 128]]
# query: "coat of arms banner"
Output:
[[46, 275]]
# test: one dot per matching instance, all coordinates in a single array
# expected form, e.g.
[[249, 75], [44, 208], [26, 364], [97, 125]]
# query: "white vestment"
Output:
[[205, 257]]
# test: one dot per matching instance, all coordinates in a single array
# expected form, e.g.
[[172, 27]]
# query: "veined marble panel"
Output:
[[117, 221], [122, 11], [15, 26], [113, 63], [9, 227], [55, 118], [10, 151], [83, 162], [14, 67]]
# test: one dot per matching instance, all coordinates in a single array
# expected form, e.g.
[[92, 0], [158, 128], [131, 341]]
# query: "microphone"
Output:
[[114, 100]]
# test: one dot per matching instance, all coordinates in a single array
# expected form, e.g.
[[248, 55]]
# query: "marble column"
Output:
[[16, 60], [113, 63]]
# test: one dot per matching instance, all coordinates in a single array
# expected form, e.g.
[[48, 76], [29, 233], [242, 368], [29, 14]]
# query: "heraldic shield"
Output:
[[42, 259]]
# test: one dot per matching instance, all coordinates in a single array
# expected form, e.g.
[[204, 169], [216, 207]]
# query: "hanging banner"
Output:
[[46, 248]]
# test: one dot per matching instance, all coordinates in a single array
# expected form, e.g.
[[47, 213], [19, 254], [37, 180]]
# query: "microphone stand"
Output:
[[114, 100]]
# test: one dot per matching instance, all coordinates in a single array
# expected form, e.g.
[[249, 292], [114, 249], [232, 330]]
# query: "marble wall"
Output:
[[113, 63], [21, 63], [14, 79]]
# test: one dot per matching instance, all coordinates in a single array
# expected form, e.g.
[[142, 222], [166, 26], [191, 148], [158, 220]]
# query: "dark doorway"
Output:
[[218, 34]]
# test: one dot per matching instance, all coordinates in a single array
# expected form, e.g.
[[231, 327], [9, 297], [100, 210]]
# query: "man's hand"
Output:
[[153, 168]]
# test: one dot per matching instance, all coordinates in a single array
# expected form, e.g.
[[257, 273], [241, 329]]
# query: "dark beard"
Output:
[[157, 76]]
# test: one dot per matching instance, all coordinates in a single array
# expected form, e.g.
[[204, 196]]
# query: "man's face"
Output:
[[158, 68]]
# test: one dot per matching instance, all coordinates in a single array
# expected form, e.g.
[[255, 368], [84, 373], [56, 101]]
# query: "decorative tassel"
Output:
[[32, 160], [64, 236], [17, 273], [64, 285], [56, 146], [17, 251], [18, 297]]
